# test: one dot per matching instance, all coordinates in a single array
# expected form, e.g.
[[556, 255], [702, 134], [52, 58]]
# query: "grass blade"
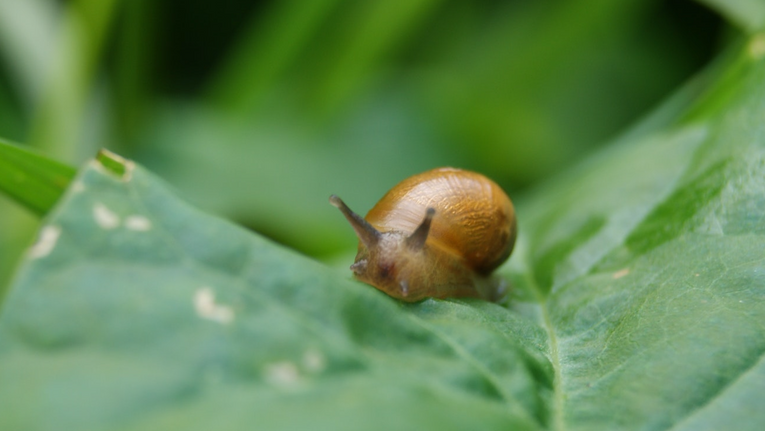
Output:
[[33, 180]]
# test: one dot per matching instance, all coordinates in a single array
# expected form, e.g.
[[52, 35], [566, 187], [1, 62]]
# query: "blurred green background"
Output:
[[258, 110]]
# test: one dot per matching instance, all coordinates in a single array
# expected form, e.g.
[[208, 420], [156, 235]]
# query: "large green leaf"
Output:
[[648, 262], [136, 310], [639, 303]]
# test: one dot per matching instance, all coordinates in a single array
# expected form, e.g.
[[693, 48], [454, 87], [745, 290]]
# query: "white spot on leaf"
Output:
[[105, 217], [46, 242], [138, 223], [620, 273], [282, 374], [78, 187], [204, 302], [313, 360]]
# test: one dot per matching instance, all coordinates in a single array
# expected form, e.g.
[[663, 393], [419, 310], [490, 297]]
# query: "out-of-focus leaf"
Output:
[[59, 125], [266, 51], [33, 180], [336, 46], [135, 311], [366, 35], [497, 87], [27, 36], [748, 15], [566, 76], [381, 145], [133, 61]]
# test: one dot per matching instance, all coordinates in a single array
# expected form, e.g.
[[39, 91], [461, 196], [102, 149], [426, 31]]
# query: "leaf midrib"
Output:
[[558, 397]]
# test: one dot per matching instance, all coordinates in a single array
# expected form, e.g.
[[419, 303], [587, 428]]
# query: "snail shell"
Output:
[[436, 234]]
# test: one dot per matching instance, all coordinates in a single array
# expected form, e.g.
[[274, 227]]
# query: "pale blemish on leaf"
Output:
[[204, 302], [621, 273], [45, 243], [314, 361], [138, 223], [105, 217], [282, 374], [78, 187]]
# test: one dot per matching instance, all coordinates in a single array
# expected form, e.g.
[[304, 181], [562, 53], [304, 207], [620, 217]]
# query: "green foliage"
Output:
[[380, 90], [638, 295], [377, 90], [648, 262], [162, 317], [638, 303], [33, 180]]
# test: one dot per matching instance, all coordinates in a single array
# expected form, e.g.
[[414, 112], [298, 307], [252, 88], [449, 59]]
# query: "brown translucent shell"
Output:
[[474, 218]]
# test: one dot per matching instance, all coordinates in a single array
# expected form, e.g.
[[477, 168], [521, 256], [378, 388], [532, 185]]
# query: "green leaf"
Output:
[[27, 38], [638, 303], [134, 310], [33, 180], [648, 262], [77, 45]]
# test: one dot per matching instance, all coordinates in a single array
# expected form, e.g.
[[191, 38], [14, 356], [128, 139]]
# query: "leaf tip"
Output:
[[115, 164]]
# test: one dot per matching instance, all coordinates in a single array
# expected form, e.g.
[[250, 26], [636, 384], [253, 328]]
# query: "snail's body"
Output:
[[437, 234]]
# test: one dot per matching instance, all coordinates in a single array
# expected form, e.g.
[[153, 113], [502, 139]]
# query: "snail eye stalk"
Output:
[[367, 234], [416, 241]]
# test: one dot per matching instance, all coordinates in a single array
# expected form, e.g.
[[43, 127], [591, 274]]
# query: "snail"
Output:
[[437, 234]]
